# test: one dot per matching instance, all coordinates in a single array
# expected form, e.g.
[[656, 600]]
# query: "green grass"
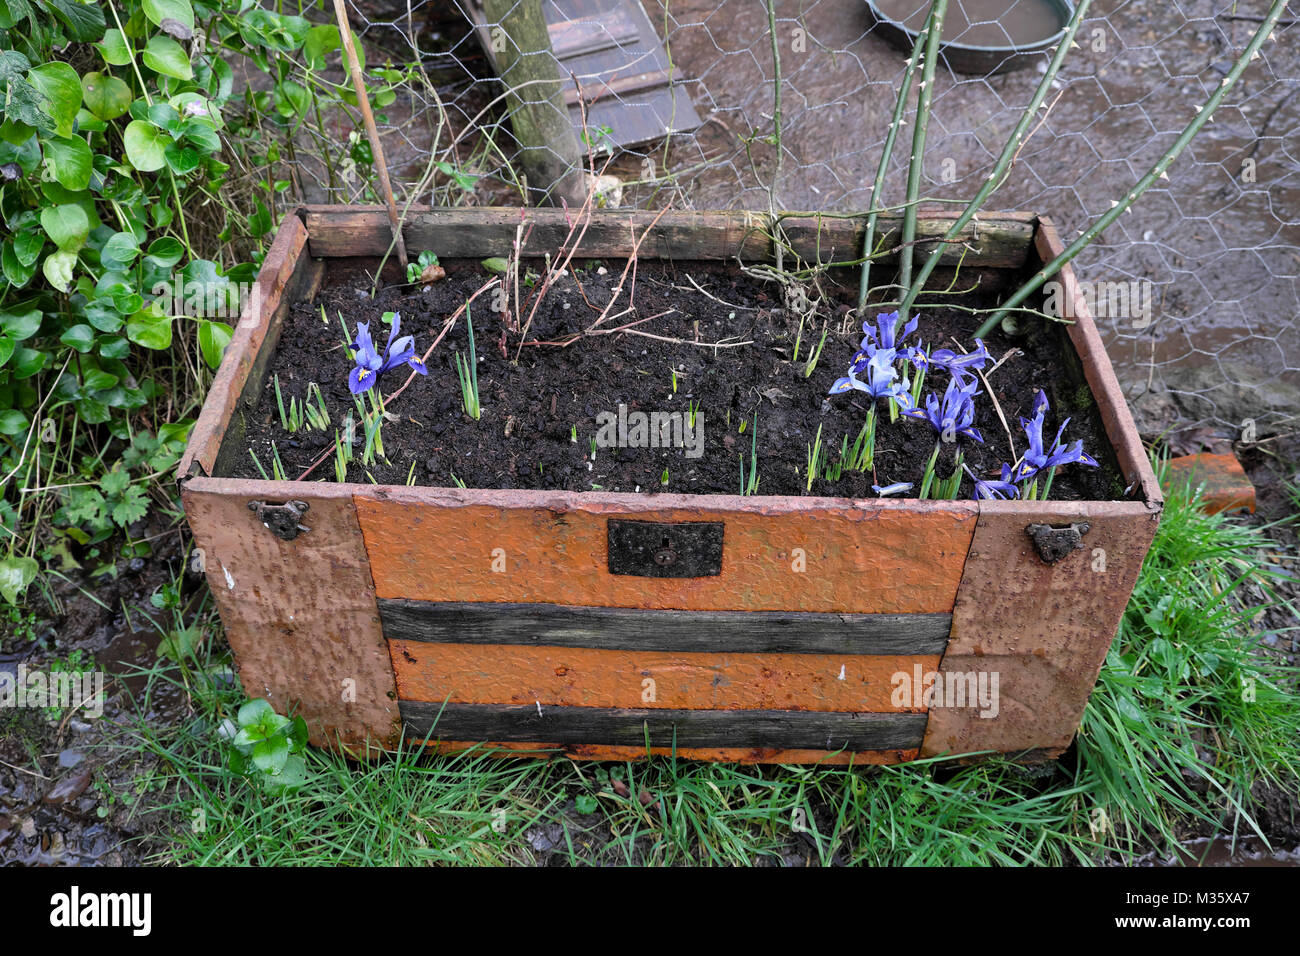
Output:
[[1169, 746]]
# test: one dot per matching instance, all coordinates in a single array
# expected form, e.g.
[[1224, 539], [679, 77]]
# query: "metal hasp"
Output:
[[285, 520], [1055, 543], [661, 549]]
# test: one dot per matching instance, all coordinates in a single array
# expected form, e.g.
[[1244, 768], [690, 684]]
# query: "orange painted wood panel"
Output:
[[779, 553], [586, 677], [713, 754]]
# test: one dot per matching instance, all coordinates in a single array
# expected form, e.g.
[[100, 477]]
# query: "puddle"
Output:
[[1224, 851]]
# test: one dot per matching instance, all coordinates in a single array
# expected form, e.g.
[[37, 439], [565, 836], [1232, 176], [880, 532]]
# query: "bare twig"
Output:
[[372, 131]]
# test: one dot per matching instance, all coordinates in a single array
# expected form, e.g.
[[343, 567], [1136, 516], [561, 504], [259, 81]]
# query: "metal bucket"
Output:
[[972, 58]]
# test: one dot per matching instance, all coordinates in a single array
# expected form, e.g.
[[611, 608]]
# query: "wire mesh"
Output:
[[1196, 289]]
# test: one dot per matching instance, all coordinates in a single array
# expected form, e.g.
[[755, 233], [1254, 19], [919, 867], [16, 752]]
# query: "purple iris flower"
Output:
[[371, 364], [993, 489], [1037, 458], [881, 380], [884, 336], [957, 364], [954, 414]]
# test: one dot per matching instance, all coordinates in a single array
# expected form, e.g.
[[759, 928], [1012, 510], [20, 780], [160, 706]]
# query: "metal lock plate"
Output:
[[1053, 544], [283, 520], [660, 549]]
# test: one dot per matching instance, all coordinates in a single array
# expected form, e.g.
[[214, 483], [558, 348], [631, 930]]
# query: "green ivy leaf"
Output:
[[181, 160], [24, 104], [213, 339], [164, 55], [69, 162], [20, 325], [180, 11], [106, 96], [27, 154], [270, 756], [167, 251], [84, 22], [26, 363], [120, 250], [81, 338], [28, 246], [62, 87], [67, 224], [114, 48], [254, 711], [151, 331], [15, 575], [7, 347], [58, 268], [17, 273], [321, 41], [145, 145]]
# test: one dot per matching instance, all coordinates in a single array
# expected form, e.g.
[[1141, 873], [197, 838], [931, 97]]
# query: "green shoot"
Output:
[[816, 458], [573, 434], [342, 453], [919, 382], [459, 483], [816, 353], [692, 407], [928, 478], [1047, 485], [277, 467], [252, 454], [316, 414], [750, 486], [468, 374], [862, 456], [674, 371], [663, 479], [798, 338], [285, 421]]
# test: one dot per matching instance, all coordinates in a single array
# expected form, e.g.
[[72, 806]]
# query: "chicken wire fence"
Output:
[[1195, 289]]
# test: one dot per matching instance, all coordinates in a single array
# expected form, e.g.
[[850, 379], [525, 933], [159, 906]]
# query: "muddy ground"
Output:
[[74, 790]]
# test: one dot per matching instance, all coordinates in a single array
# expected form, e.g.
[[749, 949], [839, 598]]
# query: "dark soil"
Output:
[[539, 416]]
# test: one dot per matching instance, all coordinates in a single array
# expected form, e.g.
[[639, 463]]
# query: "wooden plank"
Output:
[[756, 632], [1042, 629], [570, 38], [285, 275], [863, 556], [1100, 374], [300, 615], [740, 755], [998, 240], [601, 89], [588, 677], [663, 728]]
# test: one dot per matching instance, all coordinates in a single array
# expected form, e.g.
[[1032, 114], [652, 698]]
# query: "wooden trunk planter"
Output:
[[539, 620]]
